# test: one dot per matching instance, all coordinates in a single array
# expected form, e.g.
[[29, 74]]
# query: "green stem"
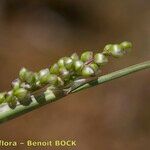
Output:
[[114, 75], [7, 114]]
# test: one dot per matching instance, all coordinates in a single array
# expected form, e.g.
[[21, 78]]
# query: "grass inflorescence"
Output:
[[61, 74]]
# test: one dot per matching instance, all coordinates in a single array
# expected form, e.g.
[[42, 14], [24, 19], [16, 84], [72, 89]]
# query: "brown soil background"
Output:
[[112, 116]]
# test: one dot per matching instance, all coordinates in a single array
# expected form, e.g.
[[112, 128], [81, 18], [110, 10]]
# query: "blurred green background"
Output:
[[112, 116]]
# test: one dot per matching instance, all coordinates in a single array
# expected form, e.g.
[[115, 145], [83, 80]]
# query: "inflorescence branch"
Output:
[[69, 75]]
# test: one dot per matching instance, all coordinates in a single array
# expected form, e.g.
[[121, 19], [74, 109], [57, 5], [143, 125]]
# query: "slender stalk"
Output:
[[7, 114], [114, 75]]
